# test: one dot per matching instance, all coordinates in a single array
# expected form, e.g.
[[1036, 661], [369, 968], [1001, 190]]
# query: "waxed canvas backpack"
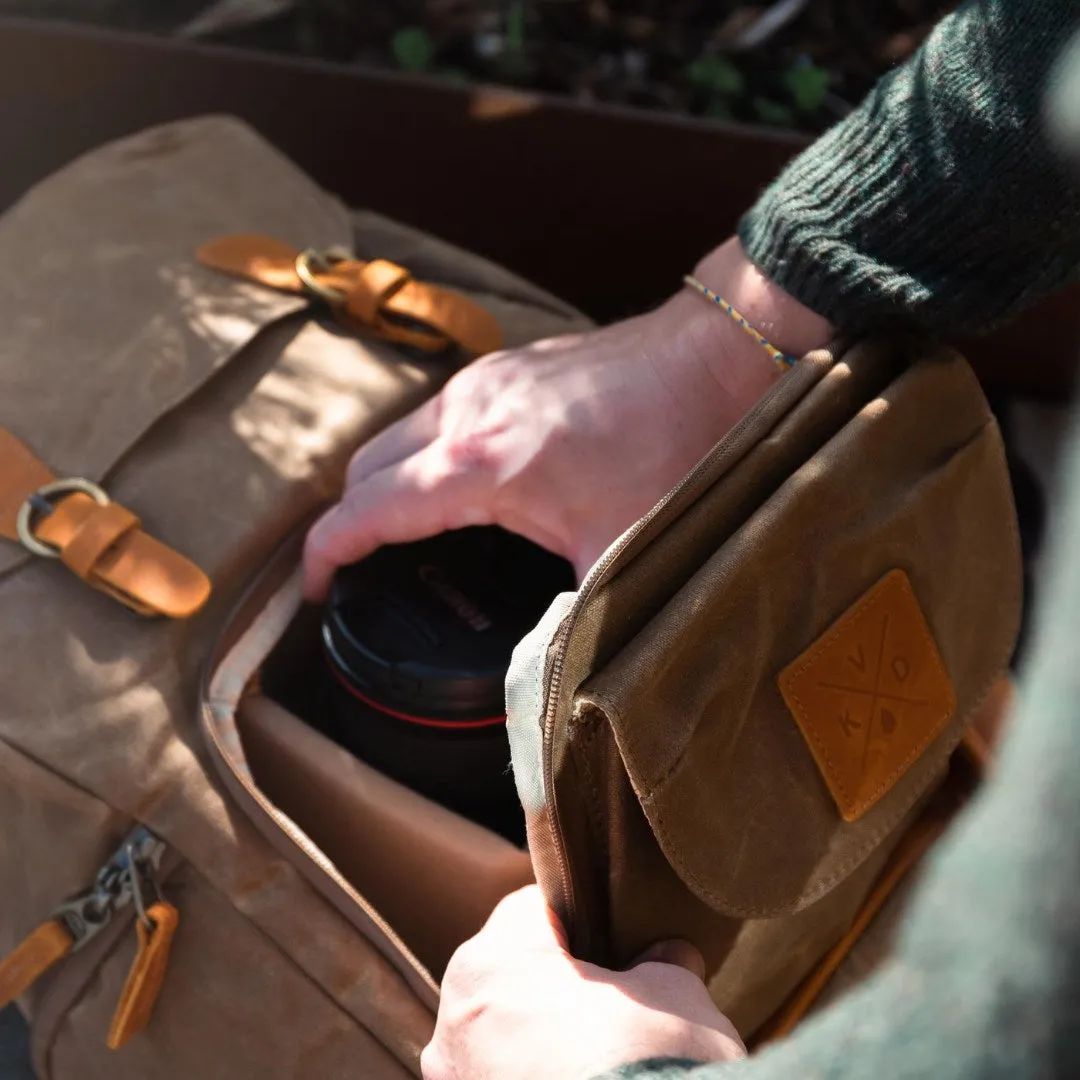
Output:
[[197, 881], [174, 409]]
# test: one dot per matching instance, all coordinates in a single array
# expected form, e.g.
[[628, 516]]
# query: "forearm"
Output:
[[940, 203]]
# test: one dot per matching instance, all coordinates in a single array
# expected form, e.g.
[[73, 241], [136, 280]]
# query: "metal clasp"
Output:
[[312, 262], [119, 882], [41, 502]]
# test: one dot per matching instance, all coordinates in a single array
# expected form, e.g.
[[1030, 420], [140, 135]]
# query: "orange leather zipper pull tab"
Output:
[[147, 973], [50, 942]]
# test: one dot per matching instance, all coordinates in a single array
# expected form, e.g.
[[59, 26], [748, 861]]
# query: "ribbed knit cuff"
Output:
[[939, 204], [665, 1068], [804, 232]]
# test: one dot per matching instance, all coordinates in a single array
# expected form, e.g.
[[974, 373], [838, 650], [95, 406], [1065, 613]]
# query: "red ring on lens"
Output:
[[423, 721]]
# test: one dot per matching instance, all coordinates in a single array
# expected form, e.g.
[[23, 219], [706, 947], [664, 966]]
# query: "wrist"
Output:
[[786, 323], [714, 360], [719, 369]]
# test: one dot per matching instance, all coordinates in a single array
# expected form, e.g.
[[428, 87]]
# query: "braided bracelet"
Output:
[[782, 360]]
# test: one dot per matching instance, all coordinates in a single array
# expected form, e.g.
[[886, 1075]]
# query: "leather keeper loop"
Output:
[[372, 286], [95, 536]]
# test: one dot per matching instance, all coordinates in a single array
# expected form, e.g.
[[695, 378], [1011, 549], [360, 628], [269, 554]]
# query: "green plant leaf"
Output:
[[515, 27], [773, 113], [413, 48], [808, 85], [717, 75]]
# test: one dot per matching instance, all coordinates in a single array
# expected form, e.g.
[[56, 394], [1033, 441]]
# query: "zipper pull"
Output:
[[47, 945], [80, 919], [155, 927]]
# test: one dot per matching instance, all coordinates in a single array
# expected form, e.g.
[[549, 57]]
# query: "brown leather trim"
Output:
[[147, 974]]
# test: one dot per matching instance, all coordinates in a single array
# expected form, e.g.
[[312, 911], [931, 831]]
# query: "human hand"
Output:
[[568, 441], [516, 1006]]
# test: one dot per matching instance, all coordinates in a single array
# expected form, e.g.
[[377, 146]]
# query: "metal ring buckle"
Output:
[[25, 518], [310, 261]]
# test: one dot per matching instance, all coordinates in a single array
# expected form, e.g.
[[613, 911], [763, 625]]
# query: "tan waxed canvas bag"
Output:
[[160, 768], [218, 415], [723, 735]]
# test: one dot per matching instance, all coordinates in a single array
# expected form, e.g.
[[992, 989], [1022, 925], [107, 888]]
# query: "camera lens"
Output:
[[418, 639]]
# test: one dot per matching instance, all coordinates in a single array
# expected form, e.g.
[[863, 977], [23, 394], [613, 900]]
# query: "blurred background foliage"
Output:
[[790, 63]]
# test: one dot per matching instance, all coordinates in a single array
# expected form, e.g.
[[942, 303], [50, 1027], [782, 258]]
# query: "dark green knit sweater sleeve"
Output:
[[940, 202]]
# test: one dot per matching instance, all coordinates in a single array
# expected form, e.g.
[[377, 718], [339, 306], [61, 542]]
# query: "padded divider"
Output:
[[434, 876], [428, 875]]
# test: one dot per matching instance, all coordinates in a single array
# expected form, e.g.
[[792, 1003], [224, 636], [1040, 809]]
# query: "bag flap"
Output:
[[106, 320], [793, 699]]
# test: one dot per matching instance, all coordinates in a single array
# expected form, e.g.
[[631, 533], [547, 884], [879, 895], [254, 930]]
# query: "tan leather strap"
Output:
[[147, 974], [91, 538], [102, 543], [378, 297], [19, 970]]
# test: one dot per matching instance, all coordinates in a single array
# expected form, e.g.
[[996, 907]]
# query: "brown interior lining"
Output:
[[433, 875]]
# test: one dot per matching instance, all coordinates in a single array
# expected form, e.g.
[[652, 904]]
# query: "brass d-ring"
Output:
[[310, 261], [25, 518]]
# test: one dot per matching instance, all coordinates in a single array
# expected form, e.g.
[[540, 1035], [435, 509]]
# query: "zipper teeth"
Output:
[[584, 593], [563, 638]]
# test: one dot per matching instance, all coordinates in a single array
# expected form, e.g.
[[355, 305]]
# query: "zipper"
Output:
[[88, 921], [98, 919], [798, 374], [127, 878]]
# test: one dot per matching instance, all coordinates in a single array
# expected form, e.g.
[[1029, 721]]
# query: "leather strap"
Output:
[[91, 538], [21, 473], [103, 545], [19, 970], [378, 297], [147, 974]]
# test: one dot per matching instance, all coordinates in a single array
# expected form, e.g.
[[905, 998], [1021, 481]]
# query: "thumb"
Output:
[[676, 952], [524, 919]]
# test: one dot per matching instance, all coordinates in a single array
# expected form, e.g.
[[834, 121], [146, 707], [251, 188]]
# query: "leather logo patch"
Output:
[[870, 695]]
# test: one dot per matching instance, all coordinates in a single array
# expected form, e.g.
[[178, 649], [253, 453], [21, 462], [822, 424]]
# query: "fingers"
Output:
[[524, 919], [410, 500], [678, 953], [397, 443]]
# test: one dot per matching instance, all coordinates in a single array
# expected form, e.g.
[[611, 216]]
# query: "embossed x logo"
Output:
[[901, 669]]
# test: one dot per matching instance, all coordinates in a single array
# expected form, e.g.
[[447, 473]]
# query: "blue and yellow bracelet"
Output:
[[784, 361]]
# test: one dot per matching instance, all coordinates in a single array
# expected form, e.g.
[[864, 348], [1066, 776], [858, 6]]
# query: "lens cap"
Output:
[[427, 629]]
